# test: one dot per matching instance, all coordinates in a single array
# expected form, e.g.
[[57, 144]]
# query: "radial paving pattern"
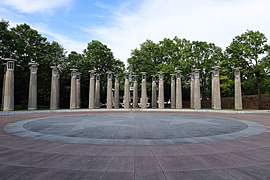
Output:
[[135, 128], [32, 158]]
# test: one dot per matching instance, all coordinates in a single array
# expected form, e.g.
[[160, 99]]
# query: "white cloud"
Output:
[[68, 43], [216, 21], [35, 6]]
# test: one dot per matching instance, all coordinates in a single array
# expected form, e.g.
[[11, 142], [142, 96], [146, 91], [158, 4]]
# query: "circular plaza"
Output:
[[134, 144]]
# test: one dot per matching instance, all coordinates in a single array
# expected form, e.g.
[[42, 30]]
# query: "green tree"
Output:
[[249, 52], [99, 57]]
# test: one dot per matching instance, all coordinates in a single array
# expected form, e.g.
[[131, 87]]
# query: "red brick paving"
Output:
[[25, 158]]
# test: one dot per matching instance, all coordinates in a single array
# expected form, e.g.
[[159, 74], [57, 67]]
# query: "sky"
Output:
[[123, 25]]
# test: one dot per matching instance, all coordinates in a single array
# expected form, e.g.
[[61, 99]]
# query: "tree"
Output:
[[99, 57], [249, 51]]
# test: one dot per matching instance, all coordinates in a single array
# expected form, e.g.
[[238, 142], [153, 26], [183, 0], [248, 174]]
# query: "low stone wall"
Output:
[[249, 102]]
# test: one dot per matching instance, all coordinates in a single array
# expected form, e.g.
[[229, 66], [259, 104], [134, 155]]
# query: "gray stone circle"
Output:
[[135, 128]]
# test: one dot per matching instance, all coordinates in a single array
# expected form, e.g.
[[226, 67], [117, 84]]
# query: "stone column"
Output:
[[161, 91], [237, 89], [144, 92], [54, 99], [109, 90], [173, 91], [197, 90], [179, 103], [8, 104], [192, 90], [92, 89], [97, 92], [73, 94], [154, 92], [32, 96], [126, 91], [78, 90], [135, 92], [216, 88], [212, 90], [3, 88], [116, 92]]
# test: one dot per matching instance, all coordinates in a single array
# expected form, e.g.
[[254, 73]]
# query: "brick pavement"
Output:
[[27, 158]]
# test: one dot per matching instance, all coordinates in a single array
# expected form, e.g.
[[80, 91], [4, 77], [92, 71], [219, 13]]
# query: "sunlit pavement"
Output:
[[127, 144]]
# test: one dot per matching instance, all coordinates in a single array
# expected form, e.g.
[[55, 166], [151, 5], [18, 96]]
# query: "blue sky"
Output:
[[124, 24]]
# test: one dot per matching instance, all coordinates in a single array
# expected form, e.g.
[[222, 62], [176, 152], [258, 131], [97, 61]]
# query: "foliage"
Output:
[[249, 51]]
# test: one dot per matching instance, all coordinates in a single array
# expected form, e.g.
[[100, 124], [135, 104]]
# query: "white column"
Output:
[[161, 91], [92, 89], [237, 89], [9, 85], [109, 90], [197, 90], [126, 91], [179, 102], [216, 88], [154, 92], [192, 90], [116, 92], [54, 99], [73, 88], [135, 92], [97, 92], [78, 90], [32, 96], [173, 100], [144, 92]]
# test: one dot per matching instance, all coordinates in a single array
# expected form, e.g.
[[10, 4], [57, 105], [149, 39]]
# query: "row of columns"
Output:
[[113, 99]]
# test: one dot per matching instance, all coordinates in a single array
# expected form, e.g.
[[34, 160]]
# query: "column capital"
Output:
[[74, 72], [216, 70], [196, 73], [161, 75], [143, 75], [172, 76], [154, 78], [237, 72], [109, 73], [97, 76], [126, 75]]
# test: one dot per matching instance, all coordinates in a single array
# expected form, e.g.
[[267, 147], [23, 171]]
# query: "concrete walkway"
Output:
[[32, 158]]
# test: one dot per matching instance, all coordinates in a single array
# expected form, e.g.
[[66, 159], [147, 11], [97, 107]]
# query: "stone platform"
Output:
[[134, 145]]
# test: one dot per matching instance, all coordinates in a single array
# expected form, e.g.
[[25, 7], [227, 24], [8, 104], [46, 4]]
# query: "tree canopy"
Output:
[[250, 51]]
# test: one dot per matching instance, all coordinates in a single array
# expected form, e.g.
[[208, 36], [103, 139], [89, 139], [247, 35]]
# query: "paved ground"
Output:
[[241, 151]]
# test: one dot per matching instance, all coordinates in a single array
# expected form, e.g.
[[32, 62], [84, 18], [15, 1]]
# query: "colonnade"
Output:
[[113, 98]]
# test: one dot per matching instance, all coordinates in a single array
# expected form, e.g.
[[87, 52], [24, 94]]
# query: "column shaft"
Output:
[[197, 91], [192, 90], [9, 86], [32, 97], [92, 90], [179, 103], [73, 89], [109, 91], [154, 93], [78, 91], [144, 92], [55, 88], [173, 92], [161, 91], [126, 92], [97, 92], [237, 91], [135, 93], [216, 88], [116, 92]]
